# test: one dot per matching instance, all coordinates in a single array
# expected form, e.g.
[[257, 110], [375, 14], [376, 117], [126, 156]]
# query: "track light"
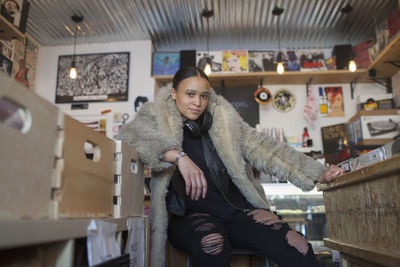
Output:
[[352, 65], [280, 69], [207, 14], [73, 72]]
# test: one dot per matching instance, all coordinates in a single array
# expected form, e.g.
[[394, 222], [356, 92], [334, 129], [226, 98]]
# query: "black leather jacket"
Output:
[[219, 177]]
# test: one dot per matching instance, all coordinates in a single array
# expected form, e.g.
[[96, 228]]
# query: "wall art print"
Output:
[[101, 77]]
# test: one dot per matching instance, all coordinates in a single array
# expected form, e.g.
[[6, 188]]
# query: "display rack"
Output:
[[383, 65]]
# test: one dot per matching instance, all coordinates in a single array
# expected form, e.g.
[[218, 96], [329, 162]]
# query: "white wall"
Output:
[[140, 81], [293, 121]]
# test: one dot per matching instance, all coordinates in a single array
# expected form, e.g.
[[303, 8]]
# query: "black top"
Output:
[[214, 203]]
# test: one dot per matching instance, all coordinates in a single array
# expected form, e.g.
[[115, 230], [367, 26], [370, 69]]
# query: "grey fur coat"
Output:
[[157, 128]]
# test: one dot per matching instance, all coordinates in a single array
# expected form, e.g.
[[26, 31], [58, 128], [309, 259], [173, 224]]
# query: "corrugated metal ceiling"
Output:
[[175, 25]]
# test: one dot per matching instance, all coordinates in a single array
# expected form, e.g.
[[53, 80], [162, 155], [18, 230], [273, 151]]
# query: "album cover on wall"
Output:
[[215, 59], [5, 65], [234, 61], [165, 63], [312, 60], [260, 60]]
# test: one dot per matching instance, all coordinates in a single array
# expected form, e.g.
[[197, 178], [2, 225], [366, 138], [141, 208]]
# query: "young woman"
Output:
[[201, 154]]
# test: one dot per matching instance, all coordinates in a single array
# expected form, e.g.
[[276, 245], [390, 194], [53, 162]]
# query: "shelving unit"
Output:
[[384, 70], [9, 31], [32, 232]]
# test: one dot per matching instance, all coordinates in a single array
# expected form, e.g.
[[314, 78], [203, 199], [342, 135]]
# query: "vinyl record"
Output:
[[283, 100], [262, 96]]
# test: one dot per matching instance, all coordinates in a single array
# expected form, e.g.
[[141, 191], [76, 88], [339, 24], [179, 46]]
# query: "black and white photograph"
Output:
[[100, 77], [16, 12], [261, 60], [215, 60]]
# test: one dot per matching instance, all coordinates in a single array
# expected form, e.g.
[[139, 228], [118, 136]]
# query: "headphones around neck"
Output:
[[196, 128]]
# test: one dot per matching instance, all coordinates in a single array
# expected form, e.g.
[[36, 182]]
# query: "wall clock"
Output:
[[283, 100]]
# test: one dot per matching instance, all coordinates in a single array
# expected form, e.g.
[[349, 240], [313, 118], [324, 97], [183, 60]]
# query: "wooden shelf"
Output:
[[271, 77], [391, 53], [24, 233], [378, 112], [384, 70], [8, 31], [374, 142]]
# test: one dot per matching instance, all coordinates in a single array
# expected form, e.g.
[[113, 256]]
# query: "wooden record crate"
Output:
[[83, 185], [28, 137], [363, 213], [129, 182]]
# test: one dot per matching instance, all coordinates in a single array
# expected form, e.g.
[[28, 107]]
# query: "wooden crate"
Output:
[[129, 186], [83, 187], [363, 213], [26, 155]]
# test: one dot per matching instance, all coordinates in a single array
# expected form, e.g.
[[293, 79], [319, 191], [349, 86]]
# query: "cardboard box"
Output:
[[83, 184], [129, 182], [28, 139]]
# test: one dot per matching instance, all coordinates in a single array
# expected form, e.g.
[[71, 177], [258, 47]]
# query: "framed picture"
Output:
[[165, 63], [101, 77], [16, 12], [5, 65]]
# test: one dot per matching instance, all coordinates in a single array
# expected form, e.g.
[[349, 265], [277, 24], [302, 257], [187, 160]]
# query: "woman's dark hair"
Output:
[[187, 72]]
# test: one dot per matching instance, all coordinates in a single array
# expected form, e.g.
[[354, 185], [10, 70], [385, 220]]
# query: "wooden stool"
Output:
[[241, 258]]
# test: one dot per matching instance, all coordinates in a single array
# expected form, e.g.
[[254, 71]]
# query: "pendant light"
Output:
[[352, 64], [207, 14], [72, 72], [280, 69]]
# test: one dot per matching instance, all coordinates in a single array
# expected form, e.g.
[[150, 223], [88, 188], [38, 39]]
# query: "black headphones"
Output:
[[197, 127]]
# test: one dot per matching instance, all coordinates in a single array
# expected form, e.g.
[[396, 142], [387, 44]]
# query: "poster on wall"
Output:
[[101, 77], [24, 62], [261, 60], [334, 96], [16, 12]]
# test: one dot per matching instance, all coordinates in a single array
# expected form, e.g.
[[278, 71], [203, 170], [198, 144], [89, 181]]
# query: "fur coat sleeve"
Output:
[[279, 159], [150, 144]]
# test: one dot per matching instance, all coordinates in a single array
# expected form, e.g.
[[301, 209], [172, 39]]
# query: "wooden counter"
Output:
[[363, 213]]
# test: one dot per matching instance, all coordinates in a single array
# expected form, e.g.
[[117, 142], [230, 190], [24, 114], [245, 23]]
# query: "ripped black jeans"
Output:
[[209, 241]]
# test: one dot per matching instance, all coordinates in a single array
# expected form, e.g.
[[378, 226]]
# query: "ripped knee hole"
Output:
[[212, 244], [297, 241]]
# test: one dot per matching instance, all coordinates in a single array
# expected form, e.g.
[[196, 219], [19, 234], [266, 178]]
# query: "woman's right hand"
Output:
[[195, 181]]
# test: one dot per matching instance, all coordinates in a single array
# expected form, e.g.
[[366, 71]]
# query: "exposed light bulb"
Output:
[[279, 68], [207, 69], [72, 71], [352, 65]]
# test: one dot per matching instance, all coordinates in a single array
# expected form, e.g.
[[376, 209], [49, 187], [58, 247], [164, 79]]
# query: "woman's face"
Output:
[[233, 63], [191, 97]]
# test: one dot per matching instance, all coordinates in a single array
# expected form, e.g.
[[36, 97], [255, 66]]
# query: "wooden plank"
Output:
[[132, 187], [26, 159], [376, 171], [271, 77], [390, 53], [17, 233], [8, 31], [87, 185], [363, 211], [378, 112], [363, 254]]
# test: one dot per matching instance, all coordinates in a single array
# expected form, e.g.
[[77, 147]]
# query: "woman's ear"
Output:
[[173, 93]]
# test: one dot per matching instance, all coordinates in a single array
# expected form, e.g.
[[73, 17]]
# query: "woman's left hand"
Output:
[[329, 174]]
